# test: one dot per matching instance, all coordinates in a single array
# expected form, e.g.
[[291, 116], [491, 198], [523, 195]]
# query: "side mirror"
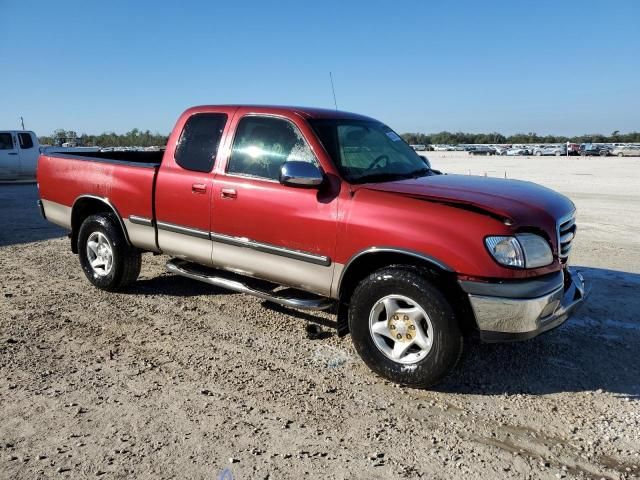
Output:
[[300, 174]]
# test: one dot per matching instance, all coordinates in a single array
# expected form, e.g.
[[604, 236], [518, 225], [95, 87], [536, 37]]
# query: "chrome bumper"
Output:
[[508, 318]]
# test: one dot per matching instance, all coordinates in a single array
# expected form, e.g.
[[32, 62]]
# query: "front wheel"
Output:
[[106, 259], [404, 328]]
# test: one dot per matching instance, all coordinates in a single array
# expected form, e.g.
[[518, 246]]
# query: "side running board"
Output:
[[195, 272]]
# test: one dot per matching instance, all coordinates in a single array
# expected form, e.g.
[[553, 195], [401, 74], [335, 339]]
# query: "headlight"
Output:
[[506, 250], [525, 250]]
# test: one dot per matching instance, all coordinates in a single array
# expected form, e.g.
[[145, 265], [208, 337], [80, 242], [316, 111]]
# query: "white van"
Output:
[[19, 151]]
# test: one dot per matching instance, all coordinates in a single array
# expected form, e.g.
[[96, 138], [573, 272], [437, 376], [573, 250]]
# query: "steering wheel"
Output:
[[377, 160]]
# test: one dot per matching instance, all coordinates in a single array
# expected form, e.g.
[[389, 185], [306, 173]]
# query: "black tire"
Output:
[[127, 260], [447, 340]]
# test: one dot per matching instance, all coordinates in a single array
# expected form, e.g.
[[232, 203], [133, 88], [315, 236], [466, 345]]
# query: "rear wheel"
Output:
[[404, 328], [621, 155], [106, 259]]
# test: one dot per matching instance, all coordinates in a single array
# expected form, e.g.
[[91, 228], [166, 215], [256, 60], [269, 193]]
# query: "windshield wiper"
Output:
[[380, 177], [391, 176], [419, 173]]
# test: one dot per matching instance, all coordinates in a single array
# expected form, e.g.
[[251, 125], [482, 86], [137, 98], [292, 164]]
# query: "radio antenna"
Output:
[[334, 91]]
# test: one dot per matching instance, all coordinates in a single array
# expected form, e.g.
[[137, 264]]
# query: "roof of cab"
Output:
[[305, 112]]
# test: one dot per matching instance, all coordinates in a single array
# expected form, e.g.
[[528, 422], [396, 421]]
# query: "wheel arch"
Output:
[[376, 257], [368, 261], [86, 205]]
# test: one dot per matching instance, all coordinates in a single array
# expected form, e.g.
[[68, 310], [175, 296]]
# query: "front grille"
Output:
[[566, 233]]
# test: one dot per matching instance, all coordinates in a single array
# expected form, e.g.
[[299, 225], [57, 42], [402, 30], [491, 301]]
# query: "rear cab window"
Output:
[[25, 140], [6, 141], [262, 144], [199, 141]]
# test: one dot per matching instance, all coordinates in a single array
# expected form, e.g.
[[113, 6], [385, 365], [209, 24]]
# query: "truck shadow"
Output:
[[597, 349], [325, 319], [177, 286], [174, 286], [20, 220]]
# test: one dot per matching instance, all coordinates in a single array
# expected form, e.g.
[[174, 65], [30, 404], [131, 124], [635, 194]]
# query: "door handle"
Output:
[[13, 153], [198, 188], [228, 193]]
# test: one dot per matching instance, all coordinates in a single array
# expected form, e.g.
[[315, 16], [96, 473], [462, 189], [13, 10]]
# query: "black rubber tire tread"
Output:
[[414, 283], [127, 260]]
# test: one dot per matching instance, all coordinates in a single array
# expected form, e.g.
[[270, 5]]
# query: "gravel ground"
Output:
[[175, 379]]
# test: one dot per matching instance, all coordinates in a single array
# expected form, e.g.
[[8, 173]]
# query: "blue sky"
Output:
[[565, 67]]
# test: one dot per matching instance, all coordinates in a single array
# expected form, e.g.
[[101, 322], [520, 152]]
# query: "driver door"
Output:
[[265, 229]]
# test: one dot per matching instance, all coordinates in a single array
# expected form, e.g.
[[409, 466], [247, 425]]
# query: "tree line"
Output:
[[451, 138], [133, 138], [144, 138]]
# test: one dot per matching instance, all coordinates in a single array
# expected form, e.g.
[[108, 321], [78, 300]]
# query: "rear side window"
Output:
[[6, 142], [25, 140], [263, 144], [199, 141]]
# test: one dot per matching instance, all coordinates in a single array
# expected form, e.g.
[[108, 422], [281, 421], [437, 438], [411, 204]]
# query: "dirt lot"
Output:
[[175, 379]]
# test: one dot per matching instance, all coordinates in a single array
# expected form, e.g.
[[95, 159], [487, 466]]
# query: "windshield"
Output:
[[368, 151]]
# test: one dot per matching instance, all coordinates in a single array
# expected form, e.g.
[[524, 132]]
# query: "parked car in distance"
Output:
[[482, 150], [573, 148], [590, 150], [410, 260], [19, 150], [556, 150], [517, 151], [501, 149], [626, 151], [419, 147], [528, 150]]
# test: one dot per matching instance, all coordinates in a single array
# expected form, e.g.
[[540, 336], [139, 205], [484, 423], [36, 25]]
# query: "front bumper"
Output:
[[41, 207], [522, 310]]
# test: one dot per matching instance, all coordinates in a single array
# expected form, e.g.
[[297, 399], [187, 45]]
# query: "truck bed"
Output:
[[131, 157], [125, 180]]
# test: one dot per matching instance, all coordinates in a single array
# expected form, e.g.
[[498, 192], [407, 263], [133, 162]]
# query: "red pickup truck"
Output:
[[321, 209]]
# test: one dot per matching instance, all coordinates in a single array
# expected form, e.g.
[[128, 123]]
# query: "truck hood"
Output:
[[523, 203]]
